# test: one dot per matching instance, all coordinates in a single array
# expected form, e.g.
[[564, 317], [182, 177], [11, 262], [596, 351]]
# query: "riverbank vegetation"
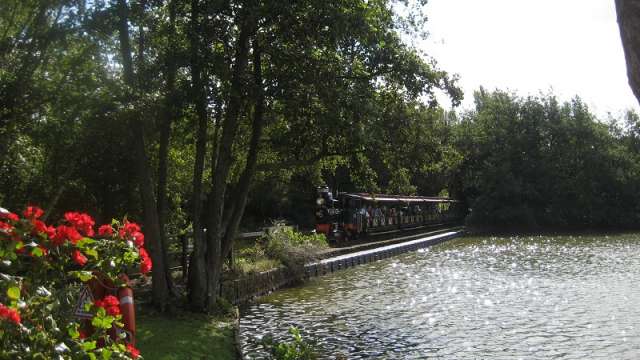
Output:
[[279, 246], [297, 349]]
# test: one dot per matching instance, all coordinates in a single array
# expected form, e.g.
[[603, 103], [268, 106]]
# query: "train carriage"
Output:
[[351, 215]]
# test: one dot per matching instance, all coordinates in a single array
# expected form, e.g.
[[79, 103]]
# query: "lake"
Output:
[[568, 297]]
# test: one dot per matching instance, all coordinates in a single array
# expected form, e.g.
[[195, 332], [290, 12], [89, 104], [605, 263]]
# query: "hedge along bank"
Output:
[[44, 268]]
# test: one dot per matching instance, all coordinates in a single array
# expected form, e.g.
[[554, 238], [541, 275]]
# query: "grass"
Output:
[[185, 336], [250, 258], [246, 266]]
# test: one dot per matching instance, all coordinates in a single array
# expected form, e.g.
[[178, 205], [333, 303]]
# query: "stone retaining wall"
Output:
[[247, 289]]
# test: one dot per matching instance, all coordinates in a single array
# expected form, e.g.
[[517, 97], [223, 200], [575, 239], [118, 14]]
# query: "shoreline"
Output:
[[247, 289]]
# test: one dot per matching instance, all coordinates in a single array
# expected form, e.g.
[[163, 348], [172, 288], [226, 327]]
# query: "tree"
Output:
[[532, 162], [320, 62], [248, 89]]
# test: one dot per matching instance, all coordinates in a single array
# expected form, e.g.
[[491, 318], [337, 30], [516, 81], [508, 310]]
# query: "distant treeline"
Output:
[[535, 162]]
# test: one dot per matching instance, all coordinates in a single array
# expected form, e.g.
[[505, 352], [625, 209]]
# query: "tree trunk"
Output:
[[214, 256], [242, 189], [629, 23], [184, 259], [160, 287], [171, 113], [197, 288]]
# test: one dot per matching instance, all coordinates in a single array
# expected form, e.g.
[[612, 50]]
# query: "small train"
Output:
[[352, 215]]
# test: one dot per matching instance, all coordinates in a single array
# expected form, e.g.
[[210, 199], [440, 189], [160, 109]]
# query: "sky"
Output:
[[569, 47]]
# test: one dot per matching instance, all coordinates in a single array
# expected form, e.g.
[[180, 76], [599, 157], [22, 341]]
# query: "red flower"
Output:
[[128, 229], [113, 310], [51, 231], [9, 314], [111, 300], [133, 351], [79, 258], [39, 227], [110, 303], [138, 239], [64, 233], [5, 226], [9, 216], [145, 261], [82, 222], [83, 335], [13, 217], [32, 212], [105, 230]]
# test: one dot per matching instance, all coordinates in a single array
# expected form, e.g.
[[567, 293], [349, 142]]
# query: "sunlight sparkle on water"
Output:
[[539, 297]]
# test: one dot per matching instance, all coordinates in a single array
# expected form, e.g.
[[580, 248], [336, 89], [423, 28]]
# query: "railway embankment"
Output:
[[247, 289]]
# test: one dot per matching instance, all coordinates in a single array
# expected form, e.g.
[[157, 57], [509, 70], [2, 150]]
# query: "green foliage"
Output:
[[292, 248], [326, 66], [298, 349], [535, 162]]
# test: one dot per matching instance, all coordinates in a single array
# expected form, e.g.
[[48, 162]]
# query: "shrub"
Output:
[[293, 248], [298, 349], [42, 269]]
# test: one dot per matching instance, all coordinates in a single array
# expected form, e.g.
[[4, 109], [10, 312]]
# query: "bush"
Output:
[[298, 349], [42, 269], [292, 248]]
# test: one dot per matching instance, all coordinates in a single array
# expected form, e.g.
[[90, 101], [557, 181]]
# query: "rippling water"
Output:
[[470, 298]]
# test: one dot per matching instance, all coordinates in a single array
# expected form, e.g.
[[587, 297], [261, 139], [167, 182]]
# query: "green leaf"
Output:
[[102, 320], [84, 242], [92, 356], [89, 345], [73, 331], [91, 252], [37, 252], [84, 276], [99, 323], [106, 354], [13, 293]]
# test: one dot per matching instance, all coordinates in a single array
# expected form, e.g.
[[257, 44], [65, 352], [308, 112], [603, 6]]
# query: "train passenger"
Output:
[[378, 216], [383, 215], [364, 218]]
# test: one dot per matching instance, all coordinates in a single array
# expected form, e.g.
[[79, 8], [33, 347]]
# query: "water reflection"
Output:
[[498, 298]]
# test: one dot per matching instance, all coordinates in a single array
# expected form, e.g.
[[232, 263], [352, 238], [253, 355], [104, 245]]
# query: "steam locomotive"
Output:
[[351, 215]]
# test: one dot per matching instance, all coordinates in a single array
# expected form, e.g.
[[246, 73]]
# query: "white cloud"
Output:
[[570, 46]]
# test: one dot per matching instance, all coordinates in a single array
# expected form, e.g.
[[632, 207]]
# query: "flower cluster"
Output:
[[36, 260], [131, 232], [82, 222], [7, 222], [75, 227], [9, 314], [110, 303]]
